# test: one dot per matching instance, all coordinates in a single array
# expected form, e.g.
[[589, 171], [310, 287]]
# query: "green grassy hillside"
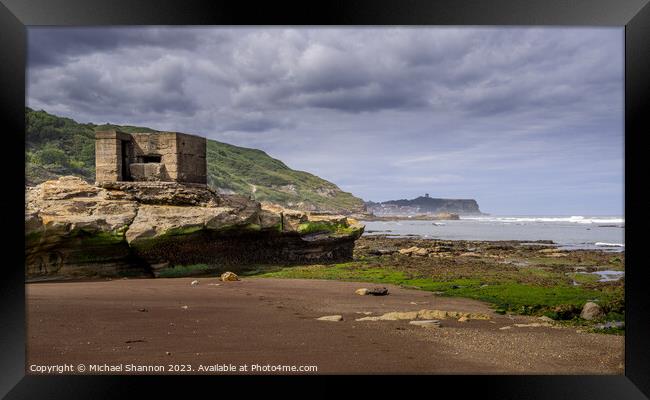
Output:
[[57, 146]]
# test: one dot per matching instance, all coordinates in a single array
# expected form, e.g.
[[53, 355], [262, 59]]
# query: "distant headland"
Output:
[[424, 205]]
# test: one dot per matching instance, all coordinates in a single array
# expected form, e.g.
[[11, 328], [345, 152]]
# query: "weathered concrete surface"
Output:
[[150, 156], [74, 229]]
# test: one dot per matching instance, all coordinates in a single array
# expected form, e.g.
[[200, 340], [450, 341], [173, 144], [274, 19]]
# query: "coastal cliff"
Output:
[[74, 229]]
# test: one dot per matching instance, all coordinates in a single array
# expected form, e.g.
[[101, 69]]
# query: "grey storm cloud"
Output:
[[479, 71], [56, 46], [256, 124], [453, 110]]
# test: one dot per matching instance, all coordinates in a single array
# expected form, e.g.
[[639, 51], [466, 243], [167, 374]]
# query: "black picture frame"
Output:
[[634, 15]]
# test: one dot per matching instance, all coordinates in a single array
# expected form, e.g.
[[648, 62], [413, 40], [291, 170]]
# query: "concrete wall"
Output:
[[160, 144], [108, 155], [182, 156], [147, 172], [192, 164]]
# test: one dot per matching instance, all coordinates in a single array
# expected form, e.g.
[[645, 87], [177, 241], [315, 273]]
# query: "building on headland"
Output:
[[146, 156]]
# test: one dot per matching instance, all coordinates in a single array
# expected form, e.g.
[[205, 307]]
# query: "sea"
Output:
[[568, 232]]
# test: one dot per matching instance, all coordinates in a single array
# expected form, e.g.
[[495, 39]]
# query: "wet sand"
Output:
[[273, 321]]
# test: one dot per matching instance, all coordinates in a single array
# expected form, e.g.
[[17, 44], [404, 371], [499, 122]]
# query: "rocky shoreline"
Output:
[[77, 230], [514, 277]]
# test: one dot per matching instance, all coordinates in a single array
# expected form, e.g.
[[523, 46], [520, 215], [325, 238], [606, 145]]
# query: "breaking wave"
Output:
[[605, 244], [576, 219]]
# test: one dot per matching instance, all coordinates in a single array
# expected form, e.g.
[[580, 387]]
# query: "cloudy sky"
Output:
[[524, 120]]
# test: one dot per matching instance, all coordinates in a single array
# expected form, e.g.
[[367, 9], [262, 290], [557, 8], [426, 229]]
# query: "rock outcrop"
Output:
[[74, 229]]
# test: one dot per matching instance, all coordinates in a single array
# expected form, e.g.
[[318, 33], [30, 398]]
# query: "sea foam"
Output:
[[577, 219], [605, 244]]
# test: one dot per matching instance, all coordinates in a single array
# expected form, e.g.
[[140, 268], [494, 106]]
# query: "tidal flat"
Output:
[[514, 277]]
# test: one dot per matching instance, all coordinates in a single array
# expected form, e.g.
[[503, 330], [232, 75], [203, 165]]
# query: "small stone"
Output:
[[333, 318], [421, 252], [418, 251], [378, 291], [368, 319], [503, 328], [168, 353], [533, 325], [427, 323], [463, 319], [396, 316], [433, 314], [128, 347], [194, 283], [184, 307], [143, 310], [229, 276], [478, 316], [408, 250]]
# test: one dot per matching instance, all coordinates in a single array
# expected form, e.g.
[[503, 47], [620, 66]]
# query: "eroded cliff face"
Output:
[[74, 229]]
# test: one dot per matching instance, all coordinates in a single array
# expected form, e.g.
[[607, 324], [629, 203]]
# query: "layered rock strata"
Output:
[[74, 229]]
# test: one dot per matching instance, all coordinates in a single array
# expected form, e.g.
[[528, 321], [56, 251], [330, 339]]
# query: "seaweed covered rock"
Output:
[[74, 229]]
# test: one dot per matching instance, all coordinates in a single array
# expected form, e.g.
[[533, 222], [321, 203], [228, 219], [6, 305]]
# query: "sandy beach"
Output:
[[274, 321]]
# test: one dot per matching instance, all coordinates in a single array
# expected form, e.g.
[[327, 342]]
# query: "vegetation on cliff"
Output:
[[57, 146]]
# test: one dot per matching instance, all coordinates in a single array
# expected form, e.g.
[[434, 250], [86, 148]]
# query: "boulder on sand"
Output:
[[376, 291], [229, 276], [591, 311]]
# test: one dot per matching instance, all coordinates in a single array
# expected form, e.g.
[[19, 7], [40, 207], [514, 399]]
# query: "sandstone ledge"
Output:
[[74, 229]]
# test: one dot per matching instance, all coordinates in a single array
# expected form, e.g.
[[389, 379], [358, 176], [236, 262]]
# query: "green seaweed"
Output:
[[310, 227], [511, 296]]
